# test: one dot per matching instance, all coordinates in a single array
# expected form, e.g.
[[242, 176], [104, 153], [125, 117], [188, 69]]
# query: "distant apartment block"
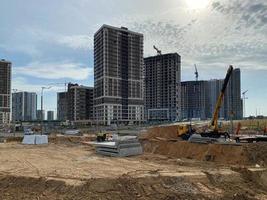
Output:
[[50, 115], [199, 98], [5, 91], [80, 103], [24, 106], [118, 76], [195, 102], [234, 101], [62, 106], [40, 115], [162, 87]]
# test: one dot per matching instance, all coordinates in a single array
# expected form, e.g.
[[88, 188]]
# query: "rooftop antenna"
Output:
[[158, 51]]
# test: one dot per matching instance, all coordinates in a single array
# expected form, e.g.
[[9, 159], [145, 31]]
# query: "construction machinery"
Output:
[[214, 128], [185, 131], [213, 134], [158, 51], [101, 136]]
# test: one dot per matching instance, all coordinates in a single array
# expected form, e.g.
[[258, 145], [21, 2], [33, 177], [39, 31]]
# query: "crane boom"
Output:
[[158, 51], [196, 72], [214, 121]]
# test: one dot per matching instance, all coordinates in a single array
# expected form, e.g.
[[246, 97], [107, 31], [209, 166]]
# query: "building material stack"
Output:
[[122, 147]]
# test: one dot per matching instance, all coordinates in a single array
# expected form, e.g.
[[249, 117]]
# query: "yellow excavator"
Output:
[[185, 131]]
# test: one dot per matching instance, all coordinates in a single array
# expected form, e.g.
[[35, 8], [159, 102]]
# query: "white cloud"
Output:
[[21, 84], [75, 71], [76, 41]]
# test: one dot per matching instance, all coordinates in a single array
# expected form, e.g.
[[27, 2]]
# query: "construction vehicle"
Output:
[[185, 131], [101, 136], [214, 132]]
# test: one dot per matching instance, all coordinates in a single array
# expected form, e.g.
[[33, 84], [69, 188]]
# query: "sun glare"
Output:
[[197, 4]]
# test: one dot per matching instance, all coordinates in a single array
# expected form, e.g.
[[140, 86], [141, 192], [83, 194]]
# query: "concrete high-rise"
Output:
[[80, 103], [118, 76], [50, 115], [195, 100], [162, 87], [5, 91], [202, 96], [40, 115], [62, 106], [233, 98], [24, 106]]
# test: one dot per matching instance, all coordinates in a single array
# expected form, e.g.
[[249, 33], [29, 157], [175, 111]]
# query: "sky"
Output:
[[51, 41]]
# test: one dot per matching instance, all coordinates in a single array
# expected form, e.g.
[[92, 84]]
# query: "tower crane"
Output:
[[196, 72], [158, 51], [244, 102]]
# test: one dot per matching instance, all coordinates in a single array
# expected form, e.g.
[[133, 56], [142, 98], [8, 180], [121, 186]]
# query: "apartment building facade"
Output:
[[195, 101], [118, 76], [202, 96], [79, 103], [5, 91], [62, 106], [24, 106], [50, 115], [162, 87]]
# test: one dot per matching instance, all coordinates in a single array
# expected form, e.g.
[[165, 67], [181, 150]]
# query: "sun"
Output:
[[197, 4]]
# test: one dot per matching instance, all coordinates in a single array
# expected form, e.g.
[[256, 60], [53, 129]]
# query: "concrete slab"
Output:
[[41, 139], [121, 148], [28, 139]]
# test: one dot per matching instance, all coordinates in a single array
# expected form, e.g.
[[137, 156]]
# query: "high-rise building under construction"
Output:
[[118, 76], [162, 87], [5, 91], [199, 98]]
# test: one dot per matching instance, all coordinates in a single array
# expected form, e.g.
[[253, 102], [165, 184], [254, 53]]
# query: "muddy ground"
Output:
[[73, 171]]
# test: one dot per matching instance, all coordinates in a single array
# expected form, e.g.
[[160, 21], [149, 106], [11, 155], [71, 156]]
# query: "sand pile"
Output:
[[161, 132], [164, 140], [229, 154]]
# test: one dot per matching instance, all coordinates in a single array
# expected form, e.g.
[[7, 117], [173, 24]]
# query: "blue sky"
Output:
[[51, 41]]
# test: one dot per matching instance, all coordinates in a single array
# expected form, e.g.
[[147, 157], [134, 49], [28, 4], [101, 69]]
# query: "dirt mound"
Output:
[[17, 188], [164, 140], [230, 154], [14, 139], [164, 132], [256, 153]]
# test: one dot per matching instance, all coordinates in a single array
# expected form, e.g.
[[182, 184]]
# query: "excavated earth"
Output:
[[163, 140], [69, 168]]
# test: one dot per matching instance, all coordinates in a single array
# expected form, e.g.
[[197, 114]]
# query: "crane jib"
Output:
[[226, 80]]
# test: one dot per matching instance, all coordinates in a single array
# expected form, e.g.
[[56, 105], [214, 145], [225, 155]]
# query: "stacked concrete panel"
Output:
[[120, 148]]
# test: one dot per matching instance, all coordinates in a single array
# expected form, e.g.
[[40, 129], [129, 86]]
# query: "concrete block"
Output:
[[28, 139], [41, 139], [120, 148]]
